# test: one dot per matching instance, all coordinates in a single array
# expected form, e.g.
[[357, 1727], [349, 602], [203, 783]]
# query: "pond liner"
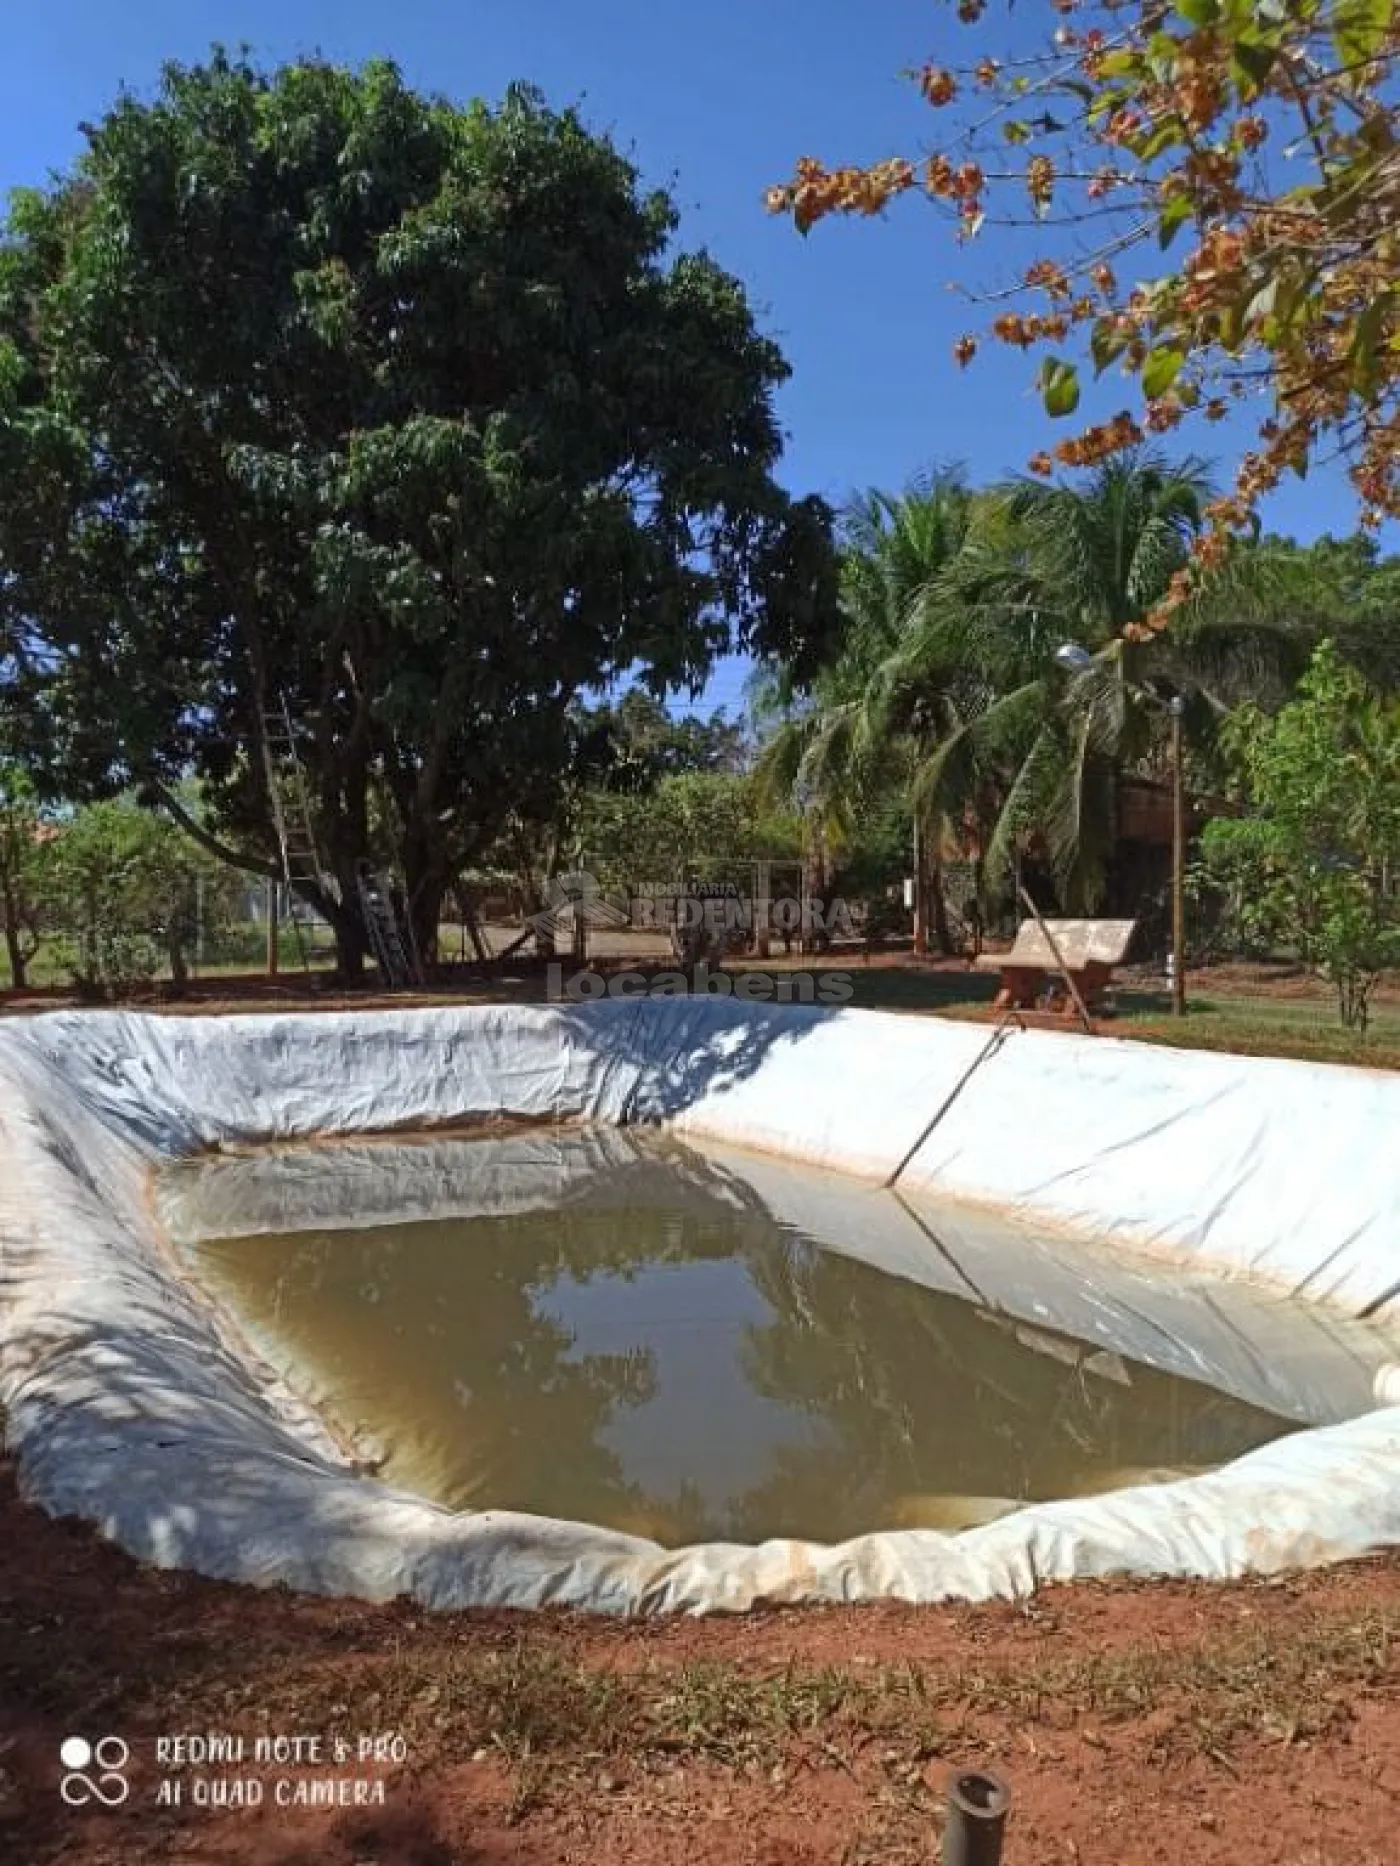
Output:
[[1221, 1183]]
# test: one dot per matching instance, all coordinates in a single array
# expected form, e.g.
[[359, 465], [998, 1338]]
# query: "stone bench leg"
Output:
[[1091, 981], [1020, 987]]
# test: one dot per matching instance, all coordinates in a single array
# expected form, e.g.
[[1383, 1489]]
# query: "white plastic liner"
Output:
[[129, 1406]]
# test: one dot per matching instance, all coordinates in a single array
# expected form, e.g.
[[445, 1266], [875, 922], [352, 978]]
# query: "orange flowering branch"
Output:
[[1265, 135]]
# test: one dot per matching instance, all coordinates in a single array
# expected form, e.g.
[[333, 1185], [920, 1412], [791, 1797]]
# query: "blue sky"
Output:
[[715, 102]]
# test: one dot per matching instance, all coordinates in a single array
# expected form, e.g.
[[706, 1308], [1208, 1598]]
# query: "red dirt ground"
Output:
[[1253, 1725]]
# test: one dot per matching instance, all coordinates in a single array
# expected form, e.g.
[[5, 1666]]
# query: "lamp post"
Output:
[[1176, 707], [1076, 659], [920, 895]]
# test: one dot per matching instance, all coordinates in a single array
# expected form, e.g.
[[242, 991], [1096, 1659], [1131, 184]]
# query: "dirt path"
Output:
[[1240, 1726]]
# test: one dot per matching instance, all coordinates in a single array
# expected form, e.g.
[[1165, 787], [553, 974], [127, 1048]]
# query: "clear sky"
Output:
[[716, 102]]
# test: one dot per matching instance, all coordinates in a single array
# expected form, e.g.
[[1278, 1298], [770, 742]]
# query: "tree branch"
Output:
[[250, 864]]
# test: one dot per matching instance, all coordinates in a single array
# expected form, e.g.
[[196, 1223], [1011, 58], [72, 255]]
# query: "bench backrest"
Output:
[[1104, 942]]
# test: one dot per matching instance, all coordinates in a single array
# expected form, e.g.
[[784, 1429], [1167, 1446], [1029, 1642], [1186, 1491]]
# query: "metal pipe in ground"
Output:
[[976, 1819]]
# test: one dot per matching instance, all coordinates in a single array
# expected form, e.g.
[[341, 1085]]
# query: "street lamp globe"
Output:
[[1073, 658]]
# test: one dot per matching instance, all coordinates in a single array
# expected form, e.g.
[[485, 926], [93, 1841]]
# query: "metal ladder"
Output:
[[291, 815], [398, 964]]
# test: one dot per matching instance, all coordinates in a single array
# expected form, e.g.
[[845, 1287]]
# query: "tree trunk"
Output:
[[427, 875], [179, 967], [19, 961], [546, 946], [467, 908], [425, 898], [14, 933], [349, 829], [920, 892], [351, 936], [816, 880], [938, 908]]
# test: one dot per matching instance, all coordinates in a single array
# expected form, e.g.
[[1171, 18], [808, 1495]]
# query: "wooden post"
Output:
[[763, 909], [810, 860], [270, 902], [1178, 867], [920, 895], [579, 929]]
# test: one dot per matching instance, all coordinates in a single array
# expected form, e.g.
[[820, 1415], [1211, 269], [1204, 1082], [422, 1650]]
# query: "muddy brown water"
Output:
[[639, 1346]]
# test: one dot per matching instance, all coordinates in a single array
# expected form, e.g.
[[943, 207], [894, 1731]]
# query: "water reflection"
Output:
[[656, 1352]]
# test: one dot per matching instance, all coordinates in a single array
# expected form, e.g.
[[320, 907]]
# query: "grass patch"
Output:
[[1305, 1028], [1264, 1027], [234, 952], [531, 1701]]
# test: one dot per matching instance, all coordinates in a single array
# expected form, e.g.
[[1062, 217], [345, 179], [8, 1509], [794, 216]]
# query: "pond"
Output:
[[615, 1328]]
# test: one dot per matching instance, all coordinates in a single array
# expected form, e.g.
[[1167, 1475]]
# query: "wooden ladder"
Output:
[[291, 814]]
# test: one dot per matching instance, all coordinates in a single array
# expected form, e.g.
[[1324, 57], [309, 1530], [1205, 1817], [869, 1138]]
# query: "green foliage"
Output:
[[320, 387], [129, 892], [1059, 386], [632, 744], [946, 693], [1231, 887], [696, 823], [876, 856], [1346, 590], [1320, 860], [25, 860], [833, 748]]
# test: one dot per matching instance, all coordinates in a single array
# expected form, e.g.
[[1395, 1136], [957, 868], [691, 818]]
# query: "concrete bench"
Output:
[[1090, 949]]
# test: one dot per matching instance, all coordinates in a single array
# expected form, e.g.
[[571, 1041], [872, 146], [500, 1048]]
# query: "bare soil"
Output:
[[1250, 1725]]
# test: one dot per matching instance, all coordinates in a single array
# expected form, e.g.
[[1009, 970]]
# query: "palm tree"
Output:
[[831, 750], [1004, 737]]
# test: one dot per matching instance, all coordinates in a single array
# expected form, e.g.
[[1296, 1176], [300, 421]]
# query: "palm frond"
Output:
[[1024, 805]]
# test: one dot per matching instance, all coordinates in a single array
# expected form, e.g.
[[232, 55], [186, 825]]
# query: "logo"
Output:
[[586, 985], [574, 898], [94, 1771], [719, 907]]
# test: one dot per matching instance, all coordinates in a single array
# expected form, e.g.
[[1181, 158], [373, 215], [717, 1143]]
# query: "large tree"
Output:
[[318, 390]]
